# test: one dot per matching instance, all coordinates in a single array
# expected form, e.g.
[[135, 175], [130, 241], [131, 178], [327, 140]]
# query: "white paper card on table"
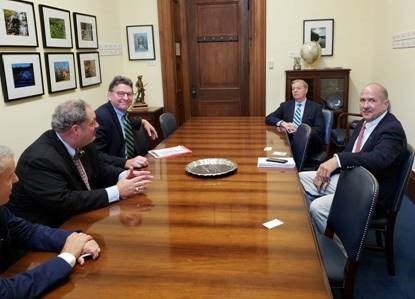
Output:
[[262, 162], [272, 223], [267, 149], [169, 151], [281, 154]]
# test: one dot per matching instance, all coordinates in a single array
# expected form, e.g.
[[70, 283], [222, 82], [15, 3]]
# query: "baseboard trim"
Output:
[[410, 191]]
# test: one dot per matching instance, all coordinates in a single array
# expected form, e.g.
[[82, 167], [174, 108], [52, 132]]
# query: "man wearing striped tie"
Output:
[[116, 137], [291, 114]]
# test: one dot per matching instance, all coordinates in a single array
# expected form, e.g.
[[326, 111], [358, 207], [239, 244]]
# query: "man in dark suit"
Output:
[[62, 174], [378, 144], [111, 134], [291, 114], [17, 233]]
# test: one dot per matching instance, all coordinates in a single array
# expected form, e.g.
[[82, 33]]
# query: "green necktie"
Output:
[[129, 137]]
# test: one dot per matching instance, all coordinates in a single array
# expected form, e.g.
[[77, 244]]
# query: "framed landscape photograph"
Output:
[[60, 71], [56, 27], [21, 75], [89, 68], [321, 31], [17, 24], [85, 31], [140, 40]]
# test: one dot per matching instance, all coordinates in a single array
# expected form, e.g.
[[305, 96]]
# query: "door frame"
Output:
[[167, 32]]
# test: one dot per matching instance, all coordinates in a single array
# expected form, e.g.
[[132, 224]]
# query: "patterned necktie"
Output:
[[297, 115], [129, 137], [81, 170], [359, 139]]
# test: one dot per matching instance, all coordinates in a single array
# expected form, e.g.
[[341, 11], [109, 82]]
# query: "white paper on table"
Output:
[[267, 149], [169, 151], [272, 223], [281, 154], [262, 162]]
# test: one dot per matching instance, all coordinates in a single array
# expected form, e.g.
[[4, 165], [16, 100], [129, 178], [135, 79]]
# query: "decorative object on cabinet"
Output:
[[310, 53], [56, 27], [89, 68], [21, 75], [141, 42], [321, 31], [86, 35], [329, 87], [17, 24], [60, 71]]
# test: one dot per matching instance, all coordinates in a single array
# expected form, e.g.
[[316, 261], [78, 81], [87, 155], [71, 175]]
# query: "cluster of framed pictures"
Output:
[[21, 73]]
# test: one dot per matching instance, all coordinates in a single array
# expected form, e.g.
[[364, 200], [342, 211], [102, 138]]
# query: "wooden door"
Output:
[[219, 65]]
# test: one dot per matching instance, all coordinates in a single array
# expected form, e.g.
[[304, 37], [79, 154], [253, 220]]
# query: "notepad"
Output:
[[169, 151], [262, 162]]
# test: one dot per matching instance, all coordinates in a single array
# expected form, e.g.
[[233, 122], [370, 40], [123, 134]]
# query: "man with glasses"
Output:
[[117, 137], [61, 173]]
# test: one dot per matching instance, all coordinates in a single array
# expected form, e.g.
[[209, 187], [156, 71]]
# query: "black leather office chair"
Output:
[[385, 226], [313, 161], [299, 145], [168, 124], [352, 208], [344, 129]]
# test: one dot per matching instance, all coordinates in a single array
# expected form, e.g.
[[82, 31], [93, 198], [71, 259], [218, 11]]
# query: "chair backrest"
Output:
[[167, 123], [352, 208], [403, 178], [300, 145], [328, 125]]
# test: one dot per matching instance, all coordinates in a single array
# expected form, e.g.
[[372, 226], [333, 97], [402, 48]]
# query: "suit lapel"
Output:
[[115, 121]]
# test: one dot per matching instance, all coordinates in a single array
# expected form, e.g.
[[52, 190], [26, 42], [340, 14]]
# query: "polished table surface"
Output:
[[190, 237]]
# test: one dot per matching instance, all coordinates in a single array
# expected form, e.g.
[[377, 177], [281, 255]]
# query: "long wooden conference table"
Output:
[[190, 237]]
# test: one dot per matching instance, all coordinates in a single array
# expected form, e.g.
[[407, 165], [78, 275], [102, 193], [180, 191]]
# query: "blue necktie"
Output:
[[297, 115]]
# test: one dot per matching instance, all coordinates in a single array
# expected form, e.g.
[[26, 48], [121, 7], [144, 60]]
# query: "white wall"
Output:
[[395, 68]]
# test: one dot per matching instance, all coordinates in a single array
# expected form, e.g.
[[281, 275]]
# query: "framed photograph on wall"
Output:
[[89, 68], [60, 71], [321, 31], [56, 27], [85, 31], [140, 40], [17, 24], [21, 75]]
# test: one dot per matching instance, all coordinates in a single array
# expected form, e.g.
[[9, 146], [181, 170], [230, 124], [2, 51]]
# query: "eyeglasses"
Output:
[[122, 94]]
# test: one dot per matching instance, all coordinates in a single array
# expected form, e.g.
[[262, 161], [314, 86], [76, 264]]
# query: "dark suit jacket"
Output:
[[382, 155], [312, 116], [110, 139], [50, 189], [16, 232]]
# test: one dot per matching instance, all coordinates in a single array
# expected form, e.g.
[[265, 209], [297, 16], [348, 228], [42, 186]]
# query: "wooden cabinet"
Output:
[[151, 114], [325, 86]]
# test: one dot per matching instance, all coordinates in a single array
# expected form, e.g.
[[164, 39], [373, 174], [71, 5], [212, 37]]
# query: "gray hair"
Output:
[[5, 154], [382, 89], [67, 114], [305, 84], [120, 80]]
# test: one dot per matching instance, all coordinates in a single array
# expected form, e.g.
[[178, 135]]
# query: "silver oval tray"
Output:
[[211, 167]]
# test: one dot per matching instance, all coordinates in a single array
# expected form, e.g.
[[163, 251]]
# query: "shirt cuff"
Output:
[[279, 123], [122, 174], [113, 194], [69, 258], [338, 160]]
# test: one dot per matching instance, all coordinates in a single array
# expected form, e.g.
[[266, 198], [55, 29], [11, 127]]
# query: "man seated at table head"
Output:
[[17, 233], [291, 114], [378, 143], [117, 133], [61, 173]]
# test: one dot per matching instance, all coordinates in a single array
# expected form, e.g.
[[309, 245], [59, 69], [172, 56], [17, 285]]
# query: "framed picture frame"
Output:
[[17, 24], [321, 31], [21, 75], [56, 27], [140, 40], [86, 35], [60, 71], [89, 68]]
